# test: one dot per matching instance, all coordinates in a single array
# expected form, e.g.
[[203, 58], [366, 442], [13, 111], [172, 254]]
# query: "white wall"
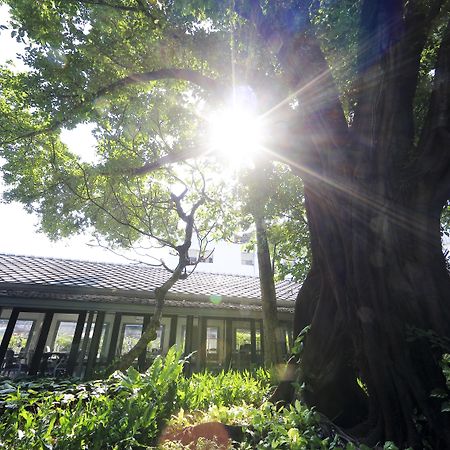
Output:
[[226, 260]]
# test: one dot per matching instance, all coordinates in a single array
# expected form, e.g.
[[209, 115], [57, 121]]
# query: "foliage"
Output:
[[202, 390], [273, 192], [125, 411], [17, 342], [104, 197], [243, 337], [266, 426], [345, 90], [288, 231], [445, 232], [294, 427], [129, 411], [74, 54], [63, 343]]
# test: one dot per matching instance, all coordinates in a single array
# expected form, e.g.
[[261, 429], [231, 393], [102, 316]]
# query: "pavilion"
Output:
[[67, 317]]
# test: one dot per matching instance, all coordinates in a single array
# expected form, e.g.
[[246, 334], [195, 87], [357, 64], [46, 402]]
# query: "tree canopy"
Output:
[[353, 96]]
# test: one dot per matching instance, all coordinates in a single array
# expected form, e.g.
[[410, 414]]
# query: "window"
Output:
[[183, 337], [103, 339], [3, 325], [193, 256], [287, 340], [209, 259], [242, 339], [212, 335], [157, 344], [21, 334], [64, 336], [247, 258], [133, 332]]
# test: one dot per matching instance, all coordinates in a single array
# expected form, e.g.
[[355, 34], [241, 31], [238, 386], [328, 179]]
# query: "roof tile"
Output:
[[42, 271]]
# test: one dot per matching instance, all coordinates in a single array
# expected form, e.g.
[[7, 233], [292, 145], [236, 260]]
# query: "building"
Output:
[[66, 317], [224, 258]]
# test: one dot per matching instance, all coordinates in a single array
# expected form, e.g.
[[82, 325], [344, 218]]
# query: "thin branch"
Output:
[[251, 11], [146, 10], [165, 160], [176, 199], [128, 258], [192, 76]]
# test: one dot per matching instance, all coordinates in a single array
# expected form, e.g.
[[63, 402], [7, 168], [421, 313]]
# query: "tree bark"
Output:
[[383, 320], [377, 298], [149, 333], [273, 339]]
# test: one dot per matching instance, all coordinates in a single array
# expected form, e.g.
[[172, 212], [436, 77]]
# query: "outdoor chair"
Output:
[[10, 363]]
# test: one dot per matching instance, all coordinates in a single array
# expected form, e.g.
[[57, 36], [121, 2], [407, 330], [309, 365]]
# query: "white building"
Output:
[[226, 258], [221, 257]]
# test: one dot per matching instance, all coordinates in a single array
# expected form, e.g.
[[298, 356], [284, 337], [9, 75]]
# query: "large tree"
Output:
[[355, 98]]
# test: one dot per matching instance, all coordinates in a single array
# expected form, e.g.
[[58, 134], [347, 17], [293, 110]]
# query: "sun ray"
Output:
[[401, 217]]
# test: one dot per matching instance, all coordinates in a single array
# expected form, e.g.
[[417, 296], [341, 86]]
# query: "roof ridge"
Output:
[[58, 258], [226, 274]]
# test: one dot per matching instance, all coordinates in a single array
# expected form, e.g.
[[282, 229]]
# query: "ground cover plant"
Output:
[[126, 411], [130, 411]]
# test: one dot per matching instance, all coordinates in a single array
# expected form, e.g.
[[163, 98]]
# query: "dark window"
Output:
[[247, 258], [193, 256]]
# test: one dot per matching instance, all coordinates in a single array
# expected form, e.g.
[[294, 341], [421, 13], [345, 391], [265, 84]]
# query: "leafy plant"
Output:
[[203, 390], [294, 428], [126, 411], [129, 411]]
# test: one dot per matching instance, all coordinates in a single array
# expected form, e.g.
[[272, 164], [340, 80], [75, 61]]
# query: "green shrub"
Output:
[[205, 389], [124, 412], [294, 427], [129, 410]]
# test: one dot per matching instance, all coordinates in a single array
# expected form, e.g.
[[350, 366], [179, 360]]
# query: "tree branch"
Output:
[[192, 76], [251, 11], [308, 76], [165, 160], [392, 40]]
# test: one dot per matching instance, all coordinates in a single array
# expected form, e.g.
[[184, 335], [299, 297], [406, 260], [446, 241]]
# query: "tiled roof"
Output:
[[19, 272]]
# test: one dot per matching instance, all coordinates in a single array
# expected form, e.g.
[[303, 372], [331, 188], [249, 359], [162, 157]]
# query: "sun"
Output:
[[236, 134]]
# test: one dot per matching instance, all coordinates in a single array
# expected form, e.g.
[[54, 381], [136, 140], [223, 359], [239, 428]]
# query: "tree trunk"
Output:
[[378, 312], [377, 298], [273, 339], [148, 335]]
